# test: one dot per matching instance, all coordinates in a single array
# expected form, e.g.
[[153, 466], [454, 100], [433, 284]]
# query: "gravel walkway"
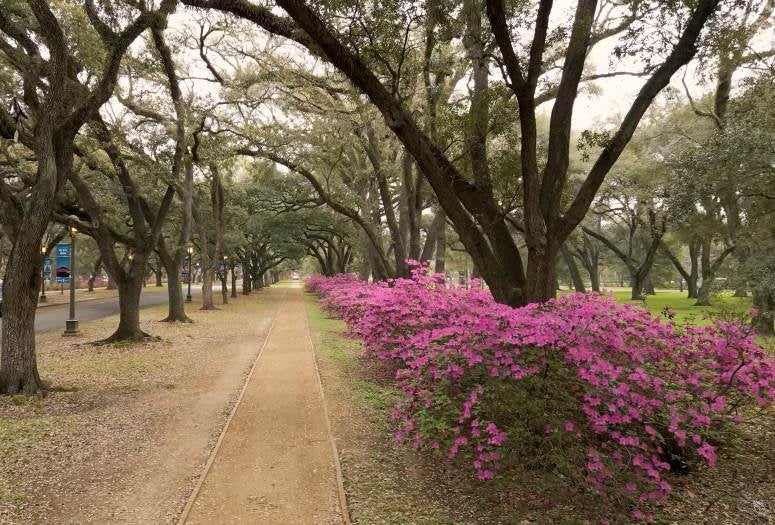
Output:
[[274, 463]]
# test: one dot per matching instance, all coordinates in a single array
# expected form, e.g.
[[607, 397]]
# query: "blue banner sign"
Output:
[[63, 263], [46, 268]]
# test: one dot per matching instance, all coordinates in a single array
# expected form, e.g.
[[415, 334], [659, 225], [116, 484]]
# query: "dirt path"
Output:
[[275, 462], [127, 430]]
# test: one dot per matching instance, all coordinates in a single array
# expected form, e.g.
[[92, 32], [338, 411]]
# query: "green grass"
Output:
[[722, 304]]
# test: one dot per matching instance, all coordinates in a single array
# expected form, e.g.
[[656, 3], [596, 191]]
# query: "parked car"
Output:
[[295, 276]]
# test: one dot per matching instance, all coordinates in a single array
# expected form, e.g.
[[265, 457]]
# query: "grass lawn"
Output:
[[723, 305]]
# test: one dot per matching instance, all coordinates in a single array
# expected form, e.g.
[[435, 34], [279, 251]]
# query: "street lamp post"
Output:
[[43, 298], [225, 279], [233, 280], [71, 324], [190, 251]]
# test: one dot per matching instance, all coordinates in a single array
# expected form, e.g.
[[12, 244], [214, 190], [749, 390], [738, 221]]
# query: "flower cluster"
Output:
[[636, 395]]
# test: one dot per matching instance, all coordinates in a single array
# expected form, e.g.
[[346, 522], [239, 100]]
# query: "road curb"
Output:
[[46, 305]]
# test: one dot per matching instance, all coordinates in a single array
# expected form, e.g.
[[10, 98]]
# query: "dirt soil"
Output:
[[126, 430], [275, 464]]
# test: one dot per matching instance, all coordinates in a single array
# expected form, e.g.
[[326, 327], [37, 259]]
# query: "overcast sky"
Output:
[[610, 102]]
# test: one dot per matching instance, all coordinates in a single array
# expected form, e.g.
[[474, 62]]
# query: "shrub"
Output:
[[603, 392]]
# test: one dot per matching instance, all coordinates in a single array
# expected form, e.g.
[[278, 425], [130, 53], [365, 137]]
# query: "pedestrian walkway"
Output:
[[274, 463]]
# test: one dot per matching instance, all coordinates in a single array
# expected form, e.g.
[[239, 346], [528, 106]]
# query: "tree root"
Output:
[[117, 337], [169, 319]]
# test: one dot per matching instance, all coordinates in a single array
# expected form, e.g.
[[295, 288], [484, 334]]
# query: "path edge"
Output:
[[343, 507]]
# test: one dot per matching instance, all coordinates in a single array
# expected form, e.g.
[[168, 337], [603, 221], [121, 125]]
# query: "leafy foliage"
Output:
[[605, 393]]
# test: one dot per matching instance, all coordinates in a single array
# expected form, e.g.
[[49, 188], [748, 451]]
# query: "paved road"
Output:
[[53, 317]]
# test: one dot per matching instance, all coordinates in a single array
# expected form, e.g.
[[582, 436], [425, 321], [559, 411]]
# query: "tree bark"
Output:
[[95, 271], [19, 371], [648, 286], [224, 288], [764, 303], [247, 282], [709, 269], [573, 269], [636, 283], [440, 266], [176, 311], [129, 291]]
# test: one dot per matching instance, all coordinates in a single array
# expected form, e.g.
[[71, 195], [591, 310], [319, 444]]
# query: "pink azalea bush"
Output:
[[579, 384]]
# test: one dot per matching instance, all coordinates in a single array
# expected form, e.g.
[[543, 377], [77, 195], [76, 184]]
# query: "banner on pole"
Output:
[[63, 263], [46, 268]]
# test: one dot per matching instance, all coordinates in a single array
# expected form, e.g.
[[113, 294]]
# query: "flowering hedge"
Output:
[[599, 390]]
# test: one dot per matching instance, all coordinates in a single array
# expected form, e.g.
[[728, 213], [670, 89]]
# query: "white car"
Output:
[[295, 276]]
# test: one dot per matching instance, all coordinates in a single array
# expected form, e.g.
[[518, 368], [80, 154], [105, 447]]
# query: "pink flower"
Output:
[[708, 452], [454, 350]]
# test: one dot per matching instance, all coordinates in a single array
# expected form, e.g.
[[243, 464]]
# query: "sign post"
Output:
[[45, 265], [63, 263], [67, 270]]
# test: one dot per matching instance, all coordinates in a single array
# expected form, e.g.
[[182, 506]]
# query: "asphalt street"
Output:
[[53, 317]]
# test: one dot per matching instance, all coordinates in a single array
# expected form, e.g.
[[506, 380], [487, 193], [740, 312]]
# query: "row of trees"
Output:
[[679, 192], [102, 133], [363, 134]]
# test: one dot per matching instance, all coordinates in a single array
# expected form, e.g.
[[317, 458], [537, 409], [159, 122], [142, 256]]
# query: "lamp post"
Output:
[[190, 251], [43, 298], [71, 324]]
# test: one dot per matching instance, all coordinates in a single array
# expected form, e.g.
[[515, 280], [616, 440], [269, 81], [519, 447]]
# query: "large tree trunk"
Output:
[[708, 275], [590, 259], [693, 278], [22, 280], [573, 269], [19, 370], [95, 271], [594, 277], [129, 291], [541, 274], [648, 286], [207, 290], [159, 274], [764, 303], [364, 268], [224, 288], [176, 311], [247, 281], [440, 265], [207, 271], [233, 283], [636, 283]]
